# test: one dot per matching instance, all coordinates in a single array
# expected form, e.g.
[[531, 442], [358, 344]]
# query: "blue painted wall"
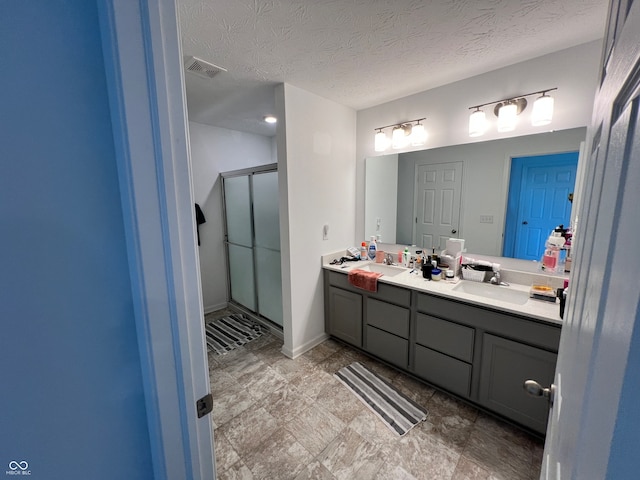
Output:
[[71, 400]]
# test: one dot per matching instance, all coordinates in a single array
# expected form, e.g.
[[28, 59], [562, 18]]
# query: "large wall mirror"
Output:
[[484, 192]]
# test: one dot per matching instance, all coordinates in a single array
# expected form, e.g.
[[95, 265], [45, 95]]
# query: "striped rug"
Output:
[[227, 333], [396, 410]]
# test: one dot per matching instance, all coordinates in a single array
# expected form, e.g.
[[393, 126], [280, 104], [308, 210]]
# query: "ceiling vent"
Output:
[[201, 68]]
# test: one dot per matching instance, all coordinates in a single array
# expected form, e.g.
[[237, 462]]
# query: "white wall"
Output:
[[574, 71], [316, 153], [381, 185], [215, 150]]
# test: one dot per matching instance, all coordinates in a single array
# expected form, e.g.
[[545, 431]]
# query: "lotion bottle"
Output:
[[372, 248], [406, 257]]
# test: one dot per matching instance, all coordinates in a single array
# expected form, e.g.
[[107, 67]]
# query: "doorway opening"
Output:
[[540, 198]]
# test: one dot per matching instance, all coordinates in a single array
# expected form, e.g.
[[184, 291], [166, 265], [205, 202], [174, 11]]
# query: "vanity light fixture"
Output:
[[507, 116], [418, 135], [382, 141], [403, 134], [508, 109], [542, 110], [477, 123]]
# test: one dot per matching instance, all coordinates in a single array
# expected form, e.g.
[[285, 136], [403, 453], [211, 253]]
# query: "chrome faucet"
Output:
[[388, 258], [495, 280]]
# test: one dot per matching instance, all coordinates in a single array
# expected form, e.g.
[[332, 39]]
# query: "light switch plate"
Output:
[[486, 218]]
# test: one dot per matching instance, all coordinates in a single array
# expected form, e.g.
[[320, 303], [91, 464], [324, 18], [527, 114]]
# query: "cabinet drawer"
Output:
[[389, 293], [515, 327], [444, 371], [388, 317], [394, 350], [386, 292], [446, 337]]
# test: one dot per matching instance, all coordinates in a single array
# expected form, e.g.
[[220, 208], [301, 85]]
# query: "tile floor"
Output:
[[277, 418]]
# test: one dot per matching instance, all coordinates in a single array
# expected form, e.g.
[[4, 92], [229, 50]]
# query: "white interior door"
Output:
[[437, 204], [593, 430]]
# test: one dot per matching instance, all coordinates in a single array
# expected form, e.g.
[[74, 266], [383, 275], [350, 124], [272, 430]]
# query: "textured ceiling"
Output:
[[363, 53]]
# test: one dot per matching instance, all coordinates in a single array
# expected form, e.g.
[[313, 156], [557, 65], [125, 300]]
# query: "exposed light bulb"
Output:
[[542, 111], [507, 117], [477, 123]]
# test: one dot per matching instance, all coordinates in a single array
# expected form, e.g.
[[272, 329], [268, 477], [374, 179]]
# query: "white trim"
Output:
[[304, 348], [146, 92]]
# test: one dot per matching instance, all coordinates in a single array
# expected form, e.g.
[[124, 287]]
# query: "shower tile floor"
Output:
[[277, 418]]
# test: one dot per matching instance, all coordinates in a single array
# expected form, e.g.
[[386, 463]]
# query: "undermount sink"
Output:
[[495, 292], [387, 270]]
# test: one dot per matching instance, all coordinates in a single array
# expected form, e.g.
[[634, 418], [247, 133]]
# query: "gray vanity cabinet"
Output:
[[478, 353], [506, 365], [345, 316]]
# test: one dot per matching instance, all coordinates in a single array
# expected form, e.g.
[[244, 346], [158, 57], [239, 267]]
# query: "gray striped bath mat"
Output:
[[230, 332], [396, 410]]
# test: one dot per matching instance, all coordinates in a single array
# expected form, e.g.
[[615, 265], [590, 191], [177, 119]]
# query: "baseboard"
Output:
[[215, 308], [304, 347]]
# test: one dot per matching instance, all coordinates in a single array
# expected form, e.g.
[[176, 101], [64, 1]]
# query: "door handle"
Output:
[[454, 231], [534, 389], [525, 223]]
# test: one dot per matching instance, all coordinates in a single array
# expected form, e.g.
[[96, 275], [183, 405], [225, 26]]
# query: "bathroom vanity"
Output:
[[478, 348]]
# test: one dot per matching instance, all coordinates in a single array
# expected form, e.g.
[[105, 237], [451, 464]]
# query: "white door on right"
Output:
[[437, 204], [594, 426]]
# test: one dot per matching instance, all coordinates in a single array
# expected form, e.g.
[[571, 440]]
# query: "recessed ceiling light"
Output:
[[270, 119]]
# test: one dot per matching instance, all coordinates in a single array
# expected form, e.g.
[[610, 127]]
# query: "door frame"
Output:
[[145, 82], [513, 197]]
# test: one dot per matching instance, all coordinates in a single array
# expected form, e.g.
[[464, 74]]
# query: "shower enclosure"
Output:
[[252, 241]]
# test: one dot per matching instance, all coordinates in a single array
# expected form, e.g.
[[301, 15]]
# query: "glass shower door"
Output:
[[240, 240], [253, 241], [266, 221]]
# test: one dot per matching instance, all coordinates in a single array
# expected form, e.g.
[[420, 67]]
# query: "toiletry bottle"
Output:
[[363, 251], [372, 248], [406, 257]]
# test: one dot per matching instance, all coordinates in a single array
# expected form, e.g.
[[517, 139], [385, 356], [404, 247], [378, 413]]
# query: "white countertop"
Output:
[[536, 309]]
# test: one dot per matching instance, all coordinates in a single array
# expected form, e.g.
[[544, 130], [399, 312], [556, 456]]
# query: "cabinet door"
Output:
[[345, 316], [506, 365]]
